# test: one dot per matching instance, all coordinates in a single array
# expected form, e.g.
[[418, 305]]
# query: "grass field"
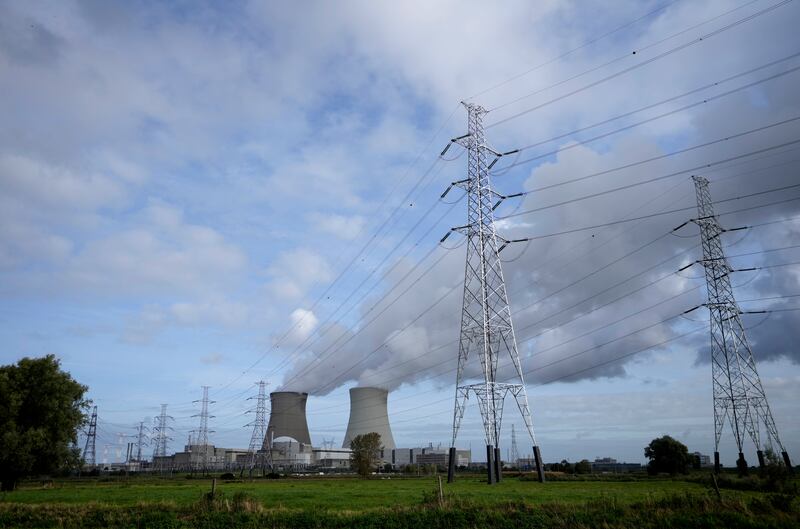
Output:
[[340, 493], [397, 502]]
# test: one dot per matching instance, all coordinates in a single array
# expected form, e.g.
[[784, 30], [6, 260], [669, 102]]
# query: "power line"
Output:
[[604, 135], [355, 257], [675, 98], [713, 33], [661, 278], [336, 379], [652, 215], [671, 154], [573, 50], [637, 65], [305, 346]]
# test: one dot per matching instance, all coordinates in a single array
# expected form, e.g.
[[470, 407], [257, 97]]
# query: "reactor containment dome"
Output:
[[287, 417], [369, 413]]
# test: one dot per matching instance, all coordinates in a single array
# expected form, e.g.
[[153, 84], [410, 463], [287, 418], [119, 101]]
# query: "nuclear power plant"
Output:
[[288, 441], [369, 413]]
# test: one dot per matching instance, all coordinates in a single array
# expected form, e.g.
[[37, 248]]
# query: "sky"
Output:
[[217, 193]]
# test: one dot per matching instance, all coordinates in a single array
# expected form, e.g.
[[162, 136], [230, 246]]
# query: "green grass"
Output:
[[316, 502], [339, 493]]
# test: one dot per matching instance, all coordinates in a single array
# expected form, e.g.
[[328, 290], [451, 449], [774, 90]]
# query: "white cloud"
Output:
[[208, 313], [302, 323], [294, 272], [341, 226], [51, 187], [164, 254]]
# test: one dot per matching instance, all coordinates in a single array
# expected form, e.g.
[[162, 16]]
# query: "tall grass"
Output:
[[687, 511]]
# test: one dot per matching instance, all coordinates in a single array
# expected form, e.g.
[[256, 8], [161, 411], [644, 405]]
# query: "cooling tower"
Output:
[[287, 417], [368, 413]]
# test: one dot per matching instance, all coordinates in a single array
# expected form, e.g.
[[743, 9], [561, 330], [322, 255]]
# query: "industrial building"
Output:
[[610, 465], [206, 457], [402, 457], [703, 460]]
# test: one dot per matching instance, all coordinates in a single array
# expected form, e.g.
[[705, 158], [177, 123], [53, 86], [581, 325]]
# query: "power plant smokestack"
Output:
[[287, 417], [369, 413]]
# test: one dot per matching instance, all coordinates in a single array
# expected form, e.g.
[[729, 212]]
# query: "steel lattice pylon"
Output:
[[160, 438], [486, 327], [140, 440], [513, 456], [739, 397], [202, 431], [89, 456], [257, 439]]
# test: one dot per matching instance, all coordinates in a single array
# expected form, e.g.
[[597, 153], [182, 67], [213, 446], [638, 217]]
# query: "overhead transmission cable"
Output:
[[752, 16], [338, 379], [709, 35], [636, 66], [305, 345], [355, 257], [658, 345], [652, 215], [589, 42], [729, 92], [625, 128], [675, 153], [454, 287], [677, 97], [635, 184]]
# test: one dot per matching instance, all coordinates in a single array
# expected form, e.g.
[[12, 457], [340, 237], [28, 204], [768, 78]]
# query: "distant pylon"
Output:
[[486, 327], [514, 457], [91, 440], [141, 440], [202, 432], [259, 424], [739, 397], [160, 438]]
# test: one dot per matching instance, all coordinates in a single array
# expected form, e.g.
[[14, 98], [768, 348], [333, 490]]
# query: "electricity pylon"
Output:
[[140, 440], [486, 327], [91, 439], [259, 425], [203, 431], [514, 456], [739, 397], [160, 438]]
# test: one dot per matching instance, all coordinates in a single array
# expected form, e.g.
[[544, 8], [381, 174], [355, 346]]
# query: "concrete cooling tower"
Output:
[[368, 413], [287, 417]]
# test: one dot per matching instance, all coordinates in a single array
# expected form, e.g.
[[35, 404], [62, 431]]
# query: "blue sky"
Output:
[[182, 184]]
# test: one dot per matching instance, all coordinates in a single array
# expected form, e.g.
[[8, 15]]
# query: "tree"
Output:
[[42, 408], [667, 455], [583, 467], [365, 453], [565, 466]]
